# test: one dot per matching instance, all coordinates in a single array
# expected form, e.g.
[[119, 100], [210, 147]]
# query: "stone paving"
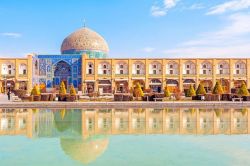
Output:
[[4, 98], [176, 104]]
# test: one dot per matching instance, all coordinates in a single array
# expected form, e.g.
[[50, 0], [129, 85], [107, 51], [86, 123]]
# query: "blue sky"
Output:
[[132, 28]]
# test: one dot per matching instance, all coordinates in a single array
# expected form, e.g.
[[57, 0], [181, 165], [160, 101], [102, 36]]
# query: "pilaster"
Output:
[[146, 74], [214, 66], [180, 75], [248, 73], [30, 73]]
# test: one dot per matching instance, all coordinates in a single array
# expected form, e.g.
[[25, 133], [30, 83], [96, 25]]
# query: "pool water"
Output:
[[146, 137]]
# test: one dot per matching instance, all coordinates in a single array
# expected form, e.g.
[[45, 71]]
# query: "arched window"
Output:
[[155, 68], [121, 68], [206, 68], [189, 68], [223, 67], [90, 68], [240, 68], [8, 69], [22, 69], [172, 68], [138, 68], [104, 68]]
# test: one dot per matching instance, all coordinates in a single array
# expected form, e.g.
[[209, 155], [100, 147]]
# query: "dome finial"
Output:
[[84, 23]]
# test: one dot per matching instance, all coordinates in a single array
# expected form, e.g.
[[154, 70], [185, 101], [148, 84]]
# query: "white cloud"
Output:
[[148, 49], [161, 10], [196, 6], [231, 41], [11, 34], [233, 5]]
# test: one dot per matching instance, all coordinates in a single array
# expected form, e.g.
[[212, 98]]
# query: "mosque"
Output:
[[84, 62]]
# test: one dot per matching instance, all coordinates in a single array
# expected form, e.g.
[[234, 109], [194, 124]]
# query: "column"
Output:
[[231, 83], [180, 75], [197, 81], [84, 56], [248, 72], [113, 75], [30, 73], [163, 74], [146, 74], [1, 86], [130, 68], [214, 66], [96, 74]]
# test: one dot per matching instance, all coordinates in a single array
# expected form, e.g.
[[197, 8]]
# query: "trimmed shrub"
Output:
[[72, 90], [138, 90], [166, 92], [36, 90], [217, 88], [243, 90], [200, 90], [62, 90], [191, 91]]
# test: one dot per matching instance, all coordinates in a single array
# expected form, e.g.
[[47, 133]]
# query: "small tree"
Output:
[[62, 90], [166, 92], [200, 90], [243, 90], [138, 90], [72, 90], [217, 89], [191, 91], [36, 90]]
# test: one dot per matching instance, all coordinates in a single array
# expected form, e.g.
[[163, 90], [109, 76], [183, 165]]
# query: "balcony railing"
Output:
[[206, 75], [172, 75], [222, 75], [155, 75], [104, 75], [189, 75], [138, 75], [23, 75], [121, 75], [240, 75]]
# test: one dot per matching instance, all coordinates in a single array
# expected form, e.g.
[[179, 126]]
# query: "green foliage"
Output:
[[243, 90], [36, 90], [191, 91], [217, 88], [62, 90], [166, 92], [72, 90], [138, 90], [200, 90]]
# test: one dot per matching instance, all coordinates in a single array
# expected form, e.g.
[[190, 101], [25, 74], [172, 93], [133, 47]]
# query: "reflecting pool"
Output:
[[143, 137]]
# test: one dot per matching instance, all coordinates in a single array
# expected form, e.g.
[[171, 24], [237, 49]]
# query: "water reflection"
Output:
[[72, 123], [84, 133]]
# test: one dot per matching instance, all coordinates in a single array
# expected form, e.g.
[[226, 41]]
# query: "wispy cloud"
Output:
[[11, 34], [161, 10], [196, 6], [233, 5], [148, 49], [231, 41]]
